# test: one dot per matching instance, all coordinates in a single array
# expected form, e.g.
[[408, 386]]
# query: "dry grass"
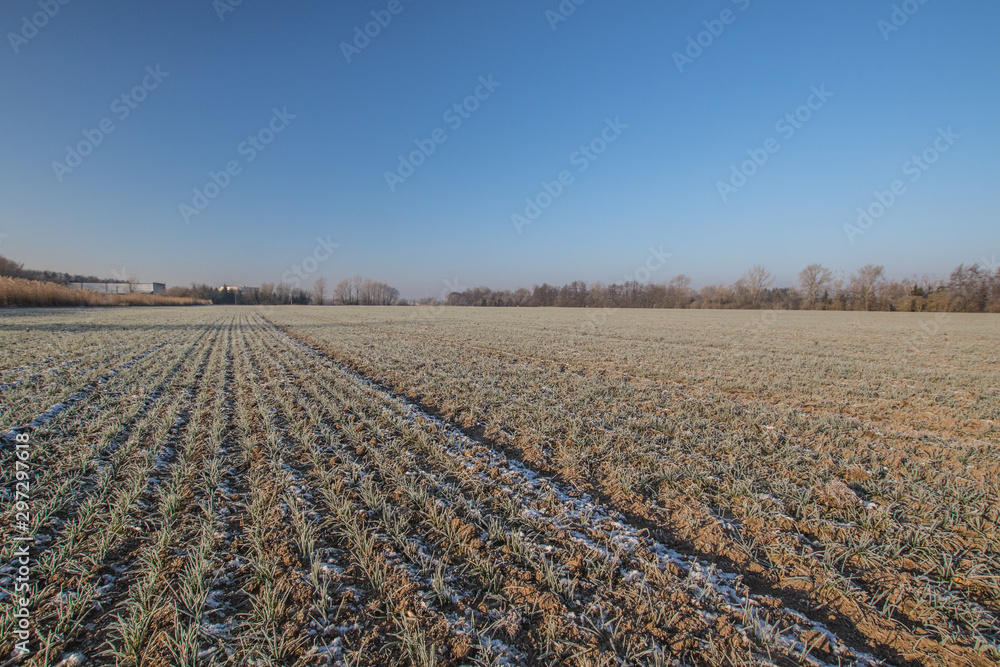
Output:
[[32, 294], [665, 488]]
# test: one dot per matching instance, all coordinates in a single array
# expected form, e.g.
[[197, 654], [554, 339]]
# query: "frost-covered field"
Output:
[[312, 486]]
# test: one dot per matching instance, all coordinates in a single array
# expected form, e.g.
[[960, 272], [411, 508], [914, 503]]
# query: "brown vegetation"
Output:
[[218, 486], [33, 294]]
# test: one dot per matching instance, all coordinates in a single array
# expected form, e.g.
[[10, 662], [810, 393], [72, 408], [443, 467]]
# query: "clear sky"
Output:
[[310, 128]]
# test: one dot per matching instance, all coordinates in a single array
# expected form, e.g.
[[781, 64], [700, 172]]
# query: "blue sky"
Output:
[[680, 128]]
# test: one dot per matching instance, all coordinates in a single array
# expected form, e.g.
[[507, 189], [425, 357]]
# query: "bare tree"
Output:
[[839, 297], [365, 292], [355, 285], [752, 286], [521, 297], [679, 293], [814, 279], [282, 293], [265, 293], [342, 293], [716, 296], [865, 283], [970, 287], [319, 291], [596, 295]]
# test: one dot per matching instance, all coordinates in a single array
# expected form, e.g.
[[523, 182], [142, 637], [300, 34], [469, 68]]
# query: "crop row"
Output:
[[888, 537]]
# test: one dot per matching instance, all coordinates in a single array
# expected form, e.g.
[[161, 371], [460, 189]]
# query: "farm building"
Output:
[[121, 288]]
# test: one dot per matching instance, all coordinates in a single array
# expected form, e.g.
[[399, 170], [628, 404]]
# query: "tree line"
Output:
[[12, 269], [974, 289], [356, 291]]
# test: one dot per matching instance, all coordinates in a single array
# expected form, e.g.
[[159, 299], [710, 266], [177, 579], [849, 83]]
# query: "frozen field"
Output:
[[333, 485]]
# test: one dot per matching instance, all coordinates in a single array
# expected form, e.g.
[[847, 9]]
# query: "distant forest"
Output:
[[972, 289]]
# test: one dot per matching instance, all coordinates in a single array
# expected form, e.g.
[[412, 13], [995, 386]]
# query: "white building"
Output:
[[121, 288]]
